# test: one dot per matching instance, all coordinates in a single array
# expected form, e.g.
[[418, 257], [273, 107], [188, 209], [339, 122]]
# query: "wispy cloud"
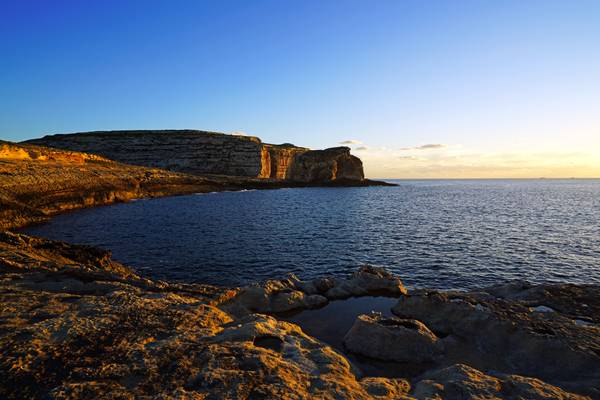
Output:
[[351, 141], [362, 148], [408, 158], [429, 146]]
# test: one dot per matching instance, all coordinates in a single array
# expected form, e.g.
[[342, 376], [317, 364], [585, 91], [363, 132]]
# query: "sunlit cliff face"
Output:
[[457, 161]]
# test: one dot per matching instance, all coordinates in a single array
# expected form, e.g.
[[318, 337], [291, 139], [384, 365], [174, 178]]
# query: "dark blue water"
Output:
[[444, 234]]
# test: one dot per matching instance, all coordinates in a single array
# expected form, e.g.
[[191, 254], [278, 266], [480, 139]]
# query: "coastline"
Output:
[[76, 324], [38, 182]]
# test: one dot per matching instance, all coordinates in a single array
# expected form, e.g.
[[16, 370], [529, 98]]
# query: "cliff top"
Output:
[[146, 132]]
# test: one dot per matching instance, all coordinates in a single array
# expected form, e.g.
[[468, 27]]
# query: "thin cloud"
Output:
[[429, 146], [408, 158], [351, 141], [362, 148]]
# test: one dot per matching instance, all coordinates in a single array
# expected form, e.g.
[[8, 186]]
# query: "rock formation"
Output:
[[392, 339], [292, 294], [200, 153], [326, 165], [76, 325]]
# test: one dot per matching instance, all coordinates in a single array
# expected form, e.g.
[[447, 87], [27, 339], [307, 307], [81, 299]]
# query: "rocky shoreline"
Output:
[[74, 324]]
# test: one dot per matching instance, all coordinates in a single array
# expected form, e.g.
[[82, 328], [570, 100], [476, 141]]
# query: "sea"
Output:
[[444, 234]]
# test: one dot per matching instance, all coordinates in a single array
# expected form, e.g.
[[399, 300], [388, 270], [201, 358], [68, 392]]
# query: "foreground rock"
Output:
[[200, 153], [292, 294], [76, 325], [393, 339], [492, 330], [460, 381]]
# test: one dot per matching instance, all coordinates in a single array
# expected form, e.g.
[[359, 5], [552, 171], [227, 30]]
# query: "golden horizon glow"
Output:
[[440, 161]]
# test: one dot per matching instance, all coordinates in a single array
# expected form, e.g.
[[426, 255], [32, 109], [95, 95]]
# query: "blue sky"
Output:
[[504, 89]]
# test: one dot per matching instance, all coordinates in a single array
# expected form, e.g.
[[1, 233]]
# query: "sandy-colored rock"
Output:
[[273, 297], [367, 281], [334, 164], [293, 294], [129, 337], [76, 325], [392, 339], [200, 152], [37, 182]]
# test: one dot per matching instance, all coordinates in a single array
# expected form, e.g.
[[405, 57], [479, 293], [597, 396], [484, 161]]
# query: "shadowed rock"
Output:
[[392, 339], [493, 333], [463, 382]]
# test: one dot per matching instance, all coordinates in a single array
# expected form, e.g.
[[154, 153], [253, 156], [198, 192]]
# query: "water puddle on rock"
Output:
[[331, 323]]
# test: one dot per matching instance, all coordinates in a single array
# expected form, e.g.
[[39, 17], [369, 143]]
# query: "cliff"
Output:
[[326, 165], [201, 152], [37, 182]]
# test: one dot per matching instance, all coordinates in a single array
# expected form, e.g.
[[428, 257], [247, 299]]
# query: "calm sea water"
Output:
[[440, 234]]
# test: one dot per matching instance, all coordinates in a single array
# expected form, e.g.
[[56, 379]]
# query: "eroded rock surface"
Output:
[[505, 328], [326, 165], [292, 294], [75, 324], [392, 339]]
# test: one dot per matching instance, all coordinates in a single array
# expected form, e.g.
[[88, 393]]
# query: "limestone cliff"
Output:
[[326, 165], [36, 182], [202, 152]]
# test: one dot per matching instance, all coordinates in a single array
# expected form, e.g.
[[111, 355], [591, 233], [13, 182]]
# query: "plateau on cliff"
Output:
[[201, 152]]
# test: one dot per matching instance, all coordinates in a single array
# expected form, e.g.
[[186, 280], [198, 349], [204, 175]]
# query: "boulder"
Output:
[[392, 339], [462, 382], [367, 281], [273, 297], [293, 294]]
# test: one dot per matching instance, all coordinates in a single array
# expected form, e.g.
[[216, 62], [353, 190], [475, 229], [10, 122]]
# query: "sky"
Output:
[[417, 89]]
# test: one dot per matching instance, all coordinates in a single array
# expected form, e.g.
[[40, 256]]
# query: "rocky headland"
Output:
[[74, 324], [37, 182], [201, 152]]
